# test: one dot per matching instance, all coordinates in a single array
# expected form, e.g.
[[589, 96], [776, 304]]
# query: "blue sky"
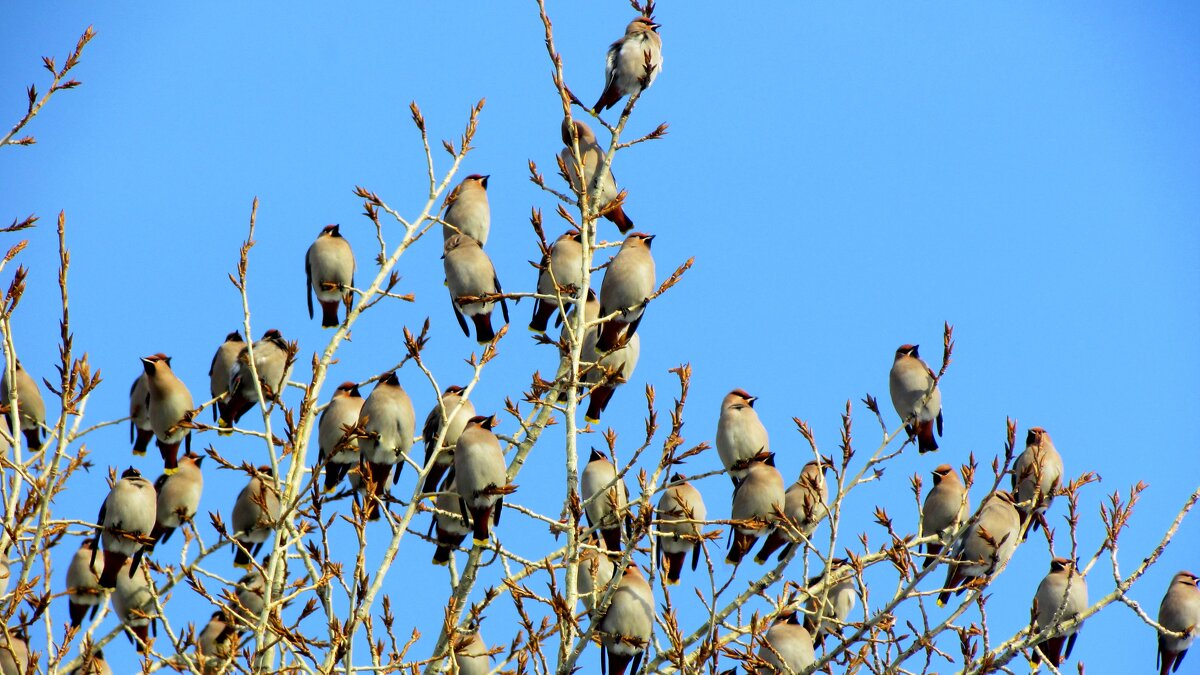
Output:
[[847, 177]]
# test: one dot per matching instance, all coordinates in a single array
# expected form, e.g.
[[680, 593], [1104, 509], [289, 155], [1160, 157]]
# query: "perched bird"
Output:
[[1179, 612], [140, 429], [986, 546], [457, 409], [625, 68], [605, 499], [178, 497], [14, 651], [757, 502], [170, 407], [481, 476], [1036, 477], [84, 592], [29, 401], [560, 272], [216, 642], [945, 506], [272, 360], [741, 436], [251, 591], [470, 653], [628, 624], [452, 529], [470, 274], [329, 267], [335, 434], [786, 647], [255, 515], [595, 573], [1060, 597], [467, 210], [219, 371], [389, 423], [592, 156], [910, 382], [831, 597], [604, 371], [804, 505], [92, 664], [133, 603], [680, 502], [126, 520], [627, 286]]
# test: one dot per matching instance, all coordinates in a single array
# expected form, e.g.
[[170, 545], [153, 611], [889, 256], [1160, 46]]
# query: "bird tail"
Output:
[[112, 567], [617, 663], [78, 612], [334, 472], [925, 439], [600, 397], [378, 474], [434, 477], [481, 523], [542, 311], [483, 328], [447, 542], [931, 552], [772, 544], [143, 642], [610, 334], [33, 439], [329, 314], [170, 456], [609, 98], [1051, 649], [742, 543], [673, 566], [617, 217], [612, 538], [241, 555], [142, 441]]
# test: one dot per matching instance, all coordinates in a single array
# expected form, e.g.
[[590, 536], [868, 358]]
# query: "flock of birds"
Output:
[[369, 440]]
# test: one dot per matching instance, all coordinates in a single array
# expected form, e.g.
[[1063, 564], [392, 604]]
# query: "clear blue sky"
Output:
[[847, 177]]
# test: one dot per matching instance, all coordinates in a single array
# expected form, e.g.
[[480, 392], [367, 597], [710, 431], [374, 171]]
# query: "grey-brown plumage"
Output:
[[481, 475], [595, 573], [605, 499], [339, 449], [126, 520], [219, 371], [741, 436], [680, 502], [178, 497], [910, 381], [329, 268], [605, 371], [251, 591], [457, 409], [628, 624], [988, 545], [470, 274], [92, 664], [1036, 477], [216, 642], [470, 653], [786, 647], [592, 156], [1179, 612], [29, 402], [255, 515], [170, 406], [14, 651], [831, 597], [84, 593], [467, 210], [141, 432], [1060, 597], [452, 529], [560, 271], [390, 423], [274, 366], [945, 506], [625, 69], [133, 603], [757, 502], [804, 505], [627, 287]]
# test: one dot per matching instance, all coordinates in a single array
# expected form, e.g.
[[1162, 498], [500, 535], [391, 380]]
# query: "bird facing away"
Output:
[[605, 498], [592, 156], [740, 435], [178, 497], [945, 506], [29, 402], [804, 506], [272, 360], [219, 370], [1036, 477], [467, 210], [627, 287], [596, 570], [140, 429], [988, 545], [910, 382], [628, 624], [1060, 597], [329, 268], [470, 653], [170, 407], [451, 529], [481, 476], [470, 274], [560, 273], [757, 502], [625, 68], [126, 520], [339, 446], [251, 590], [216, 642], [389, 423], [1179, 612], [831, 597], [133, 603], [84, 593], [681, 502], [255, 515], [786, 647], [457, 409], [604, 371]]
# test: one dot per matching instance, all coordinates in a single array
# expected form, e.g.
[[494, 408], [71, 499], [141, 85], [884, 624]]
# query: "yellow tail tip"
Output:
[[441, 563], [479, 542], [170, 471], [242, 566], [670, 582], [535, 331], [591, 420], [760, 560], [139, 453], [941, 603]]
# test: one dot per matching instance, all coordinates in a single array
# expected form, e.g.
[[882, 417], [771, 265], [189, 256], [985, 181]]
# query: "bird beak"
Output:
[[483, 181]]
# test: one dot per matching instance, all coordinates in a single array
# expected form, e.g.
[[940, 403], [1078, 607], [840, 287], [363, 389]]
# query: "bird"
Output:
[[14, 651], [133, 603], [741, 436], [216, 642], [251, 591], [126, 520], [218, 373], [458, 410], [337, 435], [481, 475], [628, 623], [470, 274], [1036, 477], [682, 503], [945, 506], [831, 597], [255, 515], [804, 505], [470, 652], [757, 502], [627, 286], [625, 68], [329, 268], [140, 429], [1060, 597], [29, 401], [910, 382], [604, 371], [467, 210], [594, 575], [178, 497], [452, 529], [170, 408], [786, 647], [592, 156], [272, 360], [1179, 612], [84, 593], [986, 546], [560, 273], [389, 423], [92, 664], [605, 499]]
